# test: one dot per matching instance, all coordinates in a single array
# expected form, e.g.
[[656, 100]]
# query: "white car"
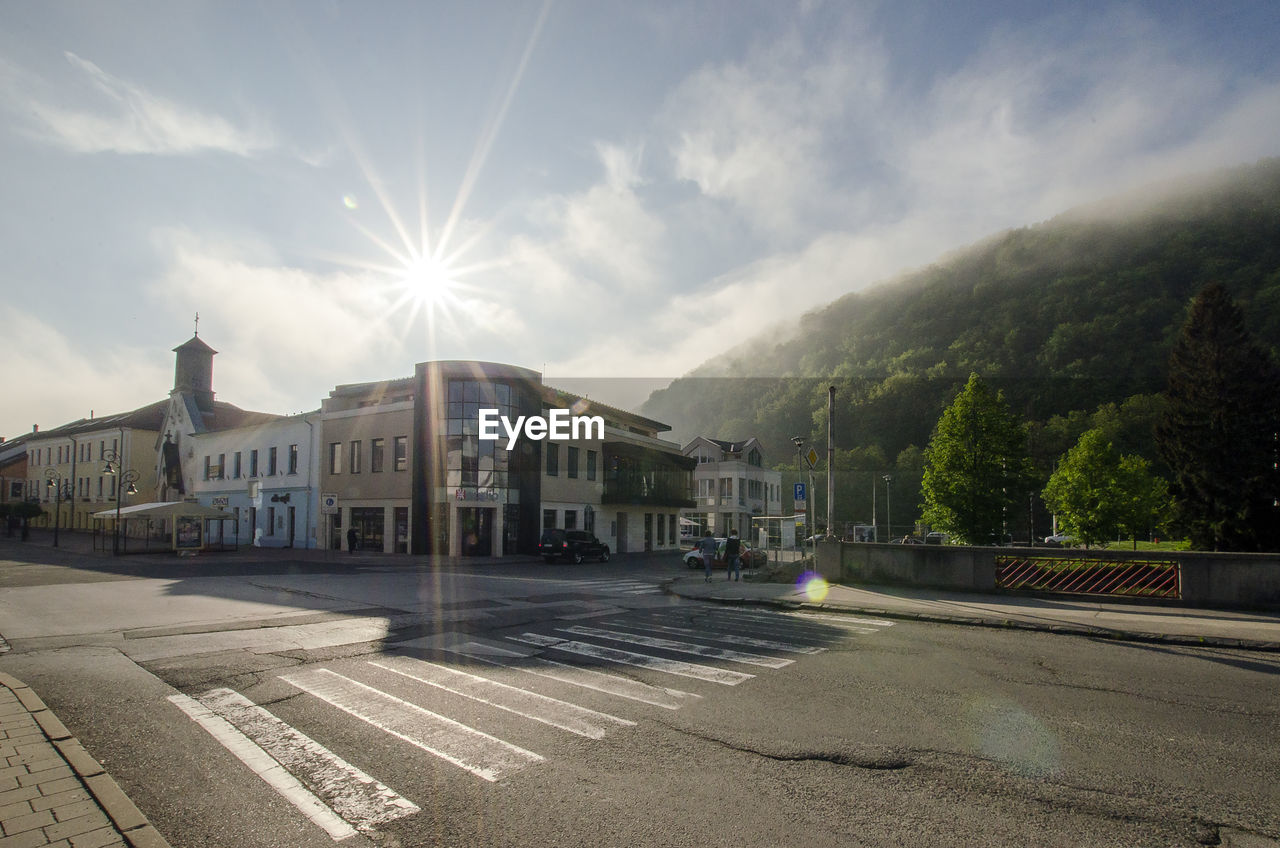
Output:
[[1060, 539]]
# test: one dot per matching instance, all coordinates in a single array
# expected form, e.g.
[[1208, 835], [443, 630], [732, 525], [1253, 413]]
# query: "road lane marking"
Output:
[[732, 639], [599, 681], [685, 669], [678, 646], [521, 702], [485, 756], [353, 794], [266, 767]]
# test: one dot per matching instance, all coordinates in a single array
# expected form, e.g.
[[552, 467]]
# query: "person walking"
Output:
[[352, 537], [733, 557], [708, 548]]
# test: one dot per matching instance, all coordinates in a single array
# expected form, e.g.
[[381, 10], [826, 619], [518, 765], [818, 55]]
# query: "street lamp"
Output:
[[124, 486], [888, 515], [61, 489]]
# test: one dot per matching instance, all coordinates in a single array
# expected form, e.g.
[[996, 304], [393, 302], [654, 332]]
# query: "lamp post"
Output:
[[61, 489], [124, 486], [888, 514], [808, 500]]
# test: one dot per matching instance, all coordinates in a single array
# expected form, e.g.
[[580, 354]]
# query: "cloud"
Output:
[[101, 113], [57, 380], [761, 134]]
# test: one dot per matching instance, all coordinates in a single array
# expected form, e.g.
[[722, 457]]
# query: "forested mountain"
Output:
[[1072, 319]]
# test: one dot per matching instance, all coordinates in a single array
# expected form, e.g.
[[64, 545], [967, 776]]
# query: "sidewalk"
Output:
[[1258, 631], [52, 792]]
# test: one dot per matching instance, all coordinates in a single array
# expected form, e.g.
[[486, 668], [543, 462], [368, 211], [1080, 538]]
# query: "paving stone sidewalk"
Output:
[[52, 792]]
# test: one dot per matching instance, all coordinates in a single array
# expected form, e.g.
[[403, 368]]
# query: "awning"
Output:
[[172, 509]]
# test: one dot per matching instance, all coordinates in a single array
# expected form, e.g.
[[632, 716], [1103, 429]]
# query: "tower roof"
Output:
[[194, 343]]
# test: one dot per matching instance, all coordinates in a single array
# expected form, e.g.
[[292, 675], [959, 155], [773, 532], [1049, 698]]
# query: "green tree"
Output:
[[1218, 432], [1145, 504], [976, 468], [1098, 494]]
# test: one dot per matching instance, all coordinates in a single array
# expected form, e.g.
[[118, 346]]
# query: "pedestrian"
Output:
[[733, 557], [708, 548], [352, 538]]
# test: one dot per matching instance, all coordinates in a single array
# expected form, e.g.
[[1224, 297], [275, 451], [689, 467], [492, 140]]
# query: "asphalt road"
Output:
[[505, 705]]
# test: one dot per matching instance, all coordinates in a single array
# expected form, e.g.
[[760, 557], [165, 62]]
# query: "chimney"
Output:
[[35, 428]]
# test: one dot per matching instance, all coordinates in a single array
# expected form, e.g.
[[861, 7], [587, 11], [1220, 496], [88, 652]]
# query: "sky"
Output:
[[587, 188]]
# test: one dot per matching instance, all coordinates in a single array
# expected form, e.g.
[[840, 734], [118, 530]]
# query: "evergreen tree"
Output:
[[1218, 433], [976, 468]]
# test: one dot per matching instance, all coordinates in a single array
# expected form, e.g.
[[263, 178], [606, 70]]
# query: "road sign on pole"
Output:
[[800, 495], [812, 457]]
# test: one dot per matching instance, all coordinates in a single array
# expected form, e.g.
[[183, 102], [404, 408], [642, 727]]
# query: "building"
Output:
[[365, 464], [257, 465], [74, 470], [475, 496], [266, 473], [13, 470], [731, 486]]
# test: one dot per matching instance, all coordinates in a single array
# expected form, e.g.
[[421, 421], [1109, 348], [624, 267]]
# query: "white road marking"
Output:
[[485, 756], [843, 619], [722, 637], [684, 669], [625, 587], [609, 684], [678, 647], [267, 768], [522, 702], [353, 794]]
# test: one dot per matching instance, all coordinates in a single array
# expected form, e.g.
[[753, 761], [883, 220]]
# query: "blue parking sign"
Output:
[[800, 492]]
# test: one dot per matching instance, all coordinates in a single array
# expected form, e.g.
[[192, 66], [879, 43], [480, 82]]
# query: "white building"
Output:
[[731, 486]]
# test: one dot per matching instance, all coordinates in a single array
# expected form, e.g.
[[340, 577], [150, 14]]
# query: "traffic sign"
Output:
[[328, 504], [801, 494], [812, 456]]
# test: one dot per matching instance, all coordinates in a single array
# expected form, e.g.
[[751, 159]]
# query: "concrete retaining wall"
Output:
[[1208, 580]]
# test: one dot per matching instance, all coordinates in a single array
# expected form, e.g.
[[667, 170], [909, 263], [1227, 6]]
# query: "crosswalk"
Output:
[[457, 698]]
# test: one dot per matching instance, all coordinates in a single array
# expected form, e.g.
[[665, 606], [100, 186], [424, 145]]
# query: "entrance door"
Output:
[[475, 529], [369, 523], [293, 514], [622, 532]]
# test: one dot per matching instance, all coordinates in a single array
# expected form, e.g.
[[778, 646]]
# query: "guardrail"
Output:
[[1079, 576]]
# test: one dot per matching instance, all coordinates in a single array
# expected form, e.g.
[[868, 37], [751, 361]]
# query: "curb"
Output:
[[1002, 623], [123, 813]]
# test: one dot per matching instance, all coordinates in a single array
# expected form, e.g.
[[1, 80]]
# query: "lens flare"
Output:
[[1010, 735], [350, 201], [814, 586]]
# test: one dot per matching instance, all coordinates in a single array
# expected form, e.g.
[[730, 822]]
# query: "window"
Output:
[[207, 466], [662, 527], [253, 463], [235, 465], [335, 457], [293, 459], [271, 461], [402, 452], [548, 519], [591, 465], [553, 459], [571, 519], [573, 463], [671, 529], [271, 519], [222, 466], [377, 450], [102, 449], [99, 487], [355, 456]]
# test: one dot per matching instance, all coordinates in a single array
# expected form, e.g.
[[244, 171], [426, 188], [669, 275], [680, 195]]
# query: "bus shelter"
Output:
[[156, 527]]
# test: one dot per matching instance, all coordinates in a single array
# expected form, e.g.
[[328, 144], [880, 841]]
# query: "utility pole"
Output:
[[831, 461]]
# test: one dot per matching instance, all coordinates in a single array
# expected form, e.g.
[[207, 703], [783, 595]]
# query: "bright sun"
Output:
[[427, 280]]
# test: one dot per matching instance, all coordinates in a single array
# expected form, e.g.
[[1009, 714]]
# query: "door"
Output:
[[293, 514], [475, 529], [622, 532]]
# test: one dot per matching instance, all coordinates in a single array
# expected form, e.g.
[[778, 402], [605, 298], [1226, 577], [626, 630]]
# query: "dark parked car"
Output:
[[576, 545]]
